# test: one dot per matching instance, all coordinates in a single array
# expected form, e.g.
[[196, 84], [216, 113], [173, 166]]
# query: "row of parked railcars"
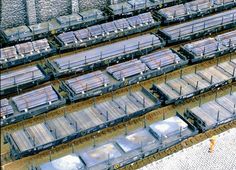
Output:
[[99, 115], [54, 26], [120, 10], [192, 9], [25, 52], [132, 146], [107, 31], [125, 149], [105, 55], [29, 51], [210, 47], [186, 86], [30, 104], [123, 74], [152, 63], [80, 122], [199, 27], [15, 80], [80, 20], [142, 64]]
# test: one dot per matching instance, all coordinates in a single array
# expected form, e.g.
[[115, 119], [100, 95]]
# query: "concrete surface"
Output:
[[197, 157]]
